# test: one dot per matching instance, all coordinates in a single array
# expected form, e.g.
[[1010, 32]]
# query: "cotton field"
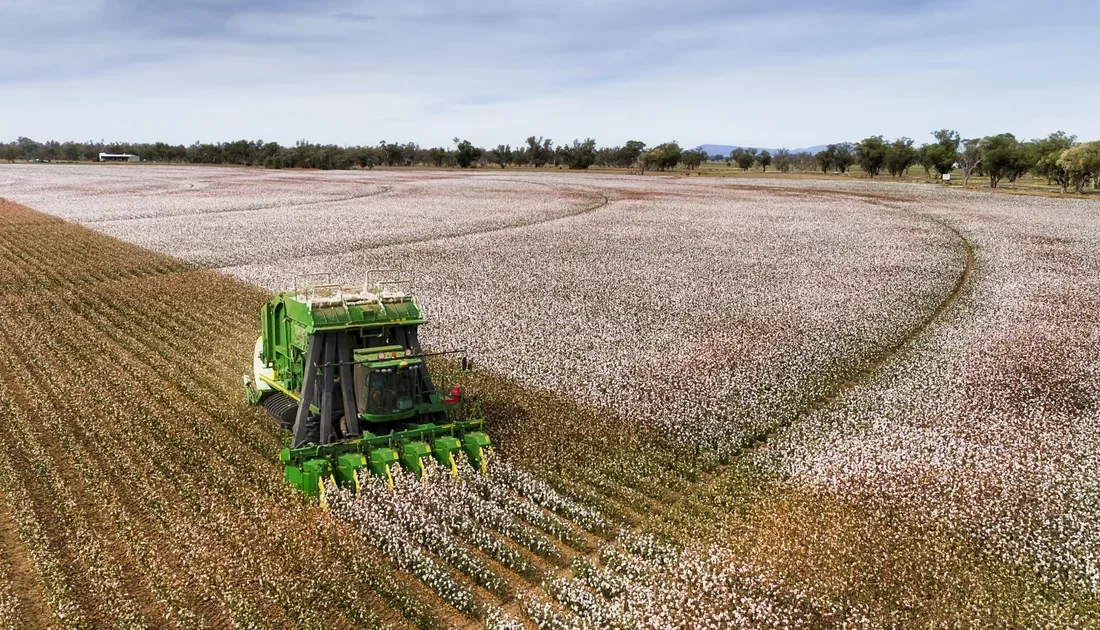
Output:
[[716, 403]]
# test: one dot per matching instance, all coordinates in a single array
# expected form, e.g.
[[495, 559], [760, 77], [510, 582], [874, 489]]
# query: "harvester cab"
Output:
[[341, 369]]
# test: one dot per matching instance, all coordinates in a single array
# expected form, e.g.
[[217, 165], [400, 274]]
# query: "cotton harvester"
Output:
[[341, 370]]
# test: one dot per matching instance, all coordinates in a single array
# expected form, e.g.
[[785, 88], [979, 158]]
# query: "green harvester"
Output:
[[341, 370]]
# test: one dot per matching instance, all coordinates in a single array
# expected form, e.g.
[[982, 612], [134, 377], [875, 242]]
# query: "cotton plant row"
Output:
[[641, 582], [429, 526], [518, 507], [990, 426], [497, 619], [638, 581], [543, 495], [462, 503], [375, 514]]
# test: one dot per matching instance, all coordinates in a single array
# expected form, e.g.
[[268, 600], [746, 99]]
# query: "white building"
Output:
[[118, 157]]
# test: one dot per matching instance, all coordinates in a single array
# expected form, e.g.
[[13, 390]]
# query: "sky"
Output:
[[794, 74]]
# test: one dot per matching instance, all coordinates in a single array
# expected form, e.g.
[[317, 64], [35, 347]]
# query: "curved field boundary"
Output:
[[599, 201], [872, 365], [373, 193]]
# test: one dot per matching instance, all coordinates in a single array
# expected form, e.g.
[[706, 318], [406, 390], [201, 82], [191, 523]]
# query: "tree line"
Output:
[[535, 151], [1059, 158]]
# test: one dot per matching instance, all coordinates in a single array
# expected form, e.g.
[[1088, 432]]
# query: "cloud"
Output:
[[699, 71]]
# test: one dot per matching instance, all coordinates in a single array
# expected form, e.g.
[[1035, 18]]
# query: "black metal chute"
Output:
[[327, 385], [347, 383], [301, 432]]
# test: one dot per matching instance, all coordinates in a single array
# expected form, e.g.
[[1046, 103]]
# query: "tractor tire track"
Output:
[[879, 359], [598, 202], [871, 365]]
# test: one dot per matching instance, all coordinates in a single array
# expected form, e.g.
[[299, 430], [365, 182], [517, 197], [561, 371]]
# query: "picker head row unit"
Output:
[[341, 369]]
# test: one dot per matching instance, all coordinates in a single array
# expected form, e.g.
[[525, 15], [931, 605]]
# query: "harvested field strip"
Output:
[[22, 594], [69, 420], [58, 469], [116, 458]]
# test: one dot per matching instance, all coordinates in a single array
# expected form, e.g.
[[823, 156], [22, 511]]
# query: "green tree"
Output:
[[944, 153], [502, 155], [871, 154], [28, 148], [579, 155], [924, 159], [692, 159], [826, 158], [1001, 157], [1082, 165], [743, 157], [783, 160], [540, 150], [466, 154], [1048, 152], [844, 156], [666, 156], [970, 158], [900, 155], [765, 159], [437, 155], [627, 155]]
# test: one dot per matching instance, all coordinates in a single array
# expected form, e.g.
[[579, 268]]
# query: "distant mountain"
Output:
[[726, 149]]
